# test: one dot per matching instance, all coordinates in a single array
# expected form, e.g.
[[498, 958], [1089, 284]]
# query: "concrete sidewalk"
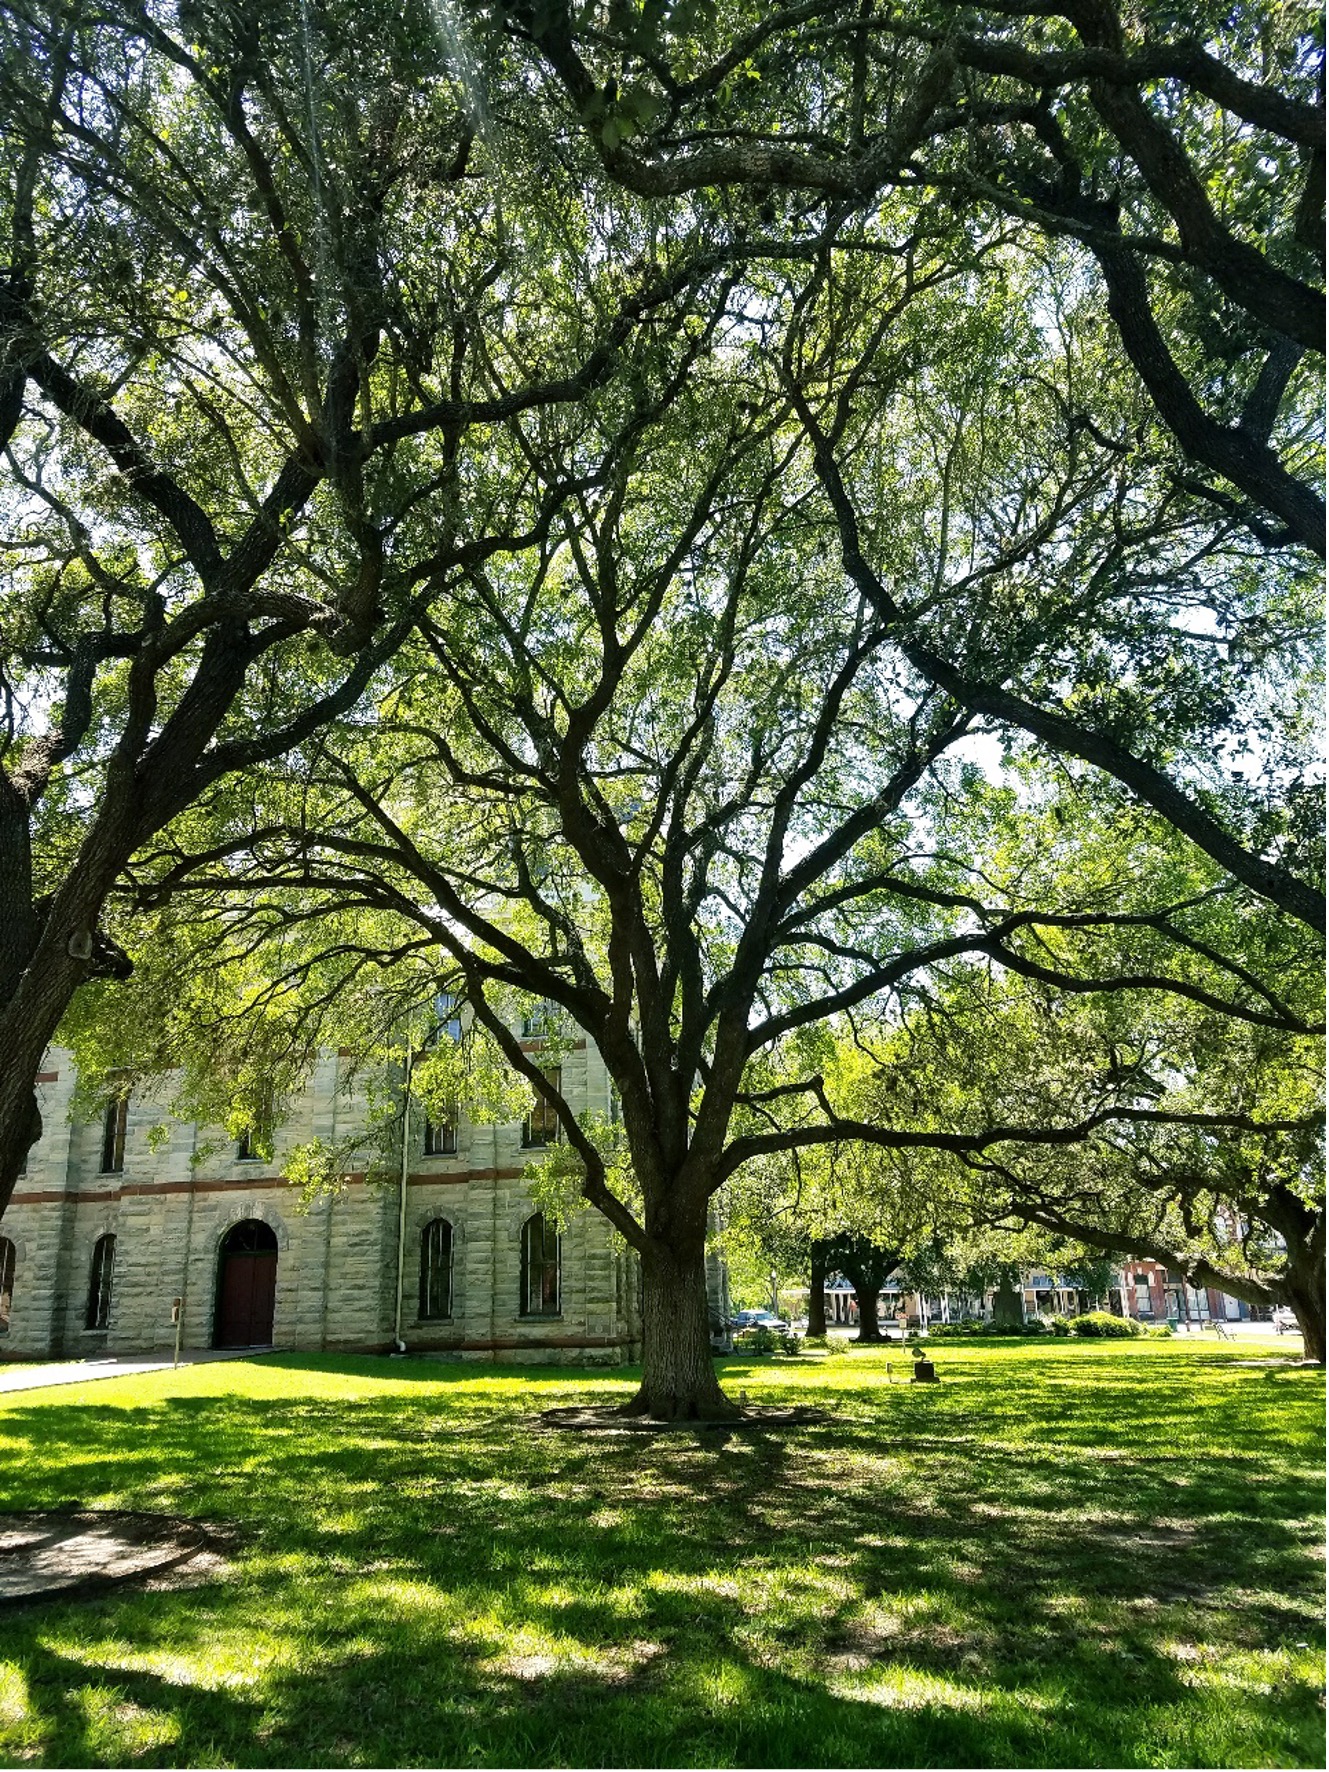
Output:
[[32, 1378]]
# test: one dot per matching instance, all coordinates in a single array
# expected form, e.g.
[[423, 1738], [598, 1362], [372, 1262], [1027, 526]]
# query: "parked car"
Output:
[[1284, 1319], [758, 1320]]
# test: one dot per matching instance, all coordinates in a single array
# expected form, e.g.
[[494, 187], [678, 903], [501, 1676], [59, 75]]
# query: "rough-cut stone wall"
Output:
[[181, 1191]]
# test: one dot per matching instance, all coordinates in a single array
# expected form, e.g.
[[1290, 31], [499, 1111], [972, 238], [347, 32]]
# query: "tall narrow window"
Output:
[[7, 1254], [540, 1127], [255, 1142], [540, 1262], [436, 1271], [114, 1121], [99, 1282], [441, 1136], [441, 1132], [448, 1021]]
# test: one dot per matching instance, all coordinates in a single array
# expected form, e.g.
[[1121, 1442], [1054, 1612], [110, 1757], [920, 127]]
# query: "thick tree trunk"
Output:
[[37, 989], [1008, 1305], [20, 1119], [29, 1017], [817, 1290], [1310, 1320], [865, 1292], [1303, 1283], [678, 1381]]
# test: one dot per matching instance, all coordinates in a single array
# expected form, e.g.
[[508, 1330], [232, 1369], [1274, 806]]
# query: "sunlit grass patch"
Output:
[[14, 1706], [1069, 1555]]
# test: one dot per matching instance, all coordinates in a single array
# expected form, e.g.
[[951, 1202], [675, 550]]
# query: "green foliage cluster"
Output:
[[987, 1330], [1102, 1325], [763, 1340], [1091, 1325], [831, 1347]]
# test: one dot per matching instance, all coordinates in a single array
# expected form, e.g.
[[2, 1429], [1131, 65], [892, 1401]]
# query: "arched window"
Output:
[[540, 1260], [7, 1253], [436, 1270], [99, 1282]]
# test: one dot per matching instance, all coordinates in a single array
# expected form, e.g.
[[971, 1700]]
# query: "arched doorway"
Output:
[[246, 1286]]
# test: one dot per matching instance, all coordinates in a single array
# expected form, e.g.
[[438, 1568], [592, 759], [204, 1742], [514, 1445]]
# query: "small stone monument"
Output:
[[924, 1371]]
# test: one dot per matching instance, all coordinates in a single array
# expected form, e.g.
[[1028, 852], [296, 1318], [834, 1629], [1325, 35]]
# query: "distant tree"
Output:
[[1007, 1305], [1242, 1214], [1091, 1276], [867, 1267], [817, 1271], [1212, 1162]]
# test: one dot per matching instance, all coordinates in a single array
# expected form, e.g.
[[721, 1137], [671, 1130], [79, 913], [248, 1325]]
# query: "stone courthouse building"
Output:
[[108, 1228]]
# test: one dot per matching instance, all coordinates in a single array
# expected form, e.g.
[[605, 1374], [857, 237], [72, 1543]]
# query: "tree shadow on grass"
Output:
[[75, 1707], [711, 1705], [916, 1582], [690, 1691]]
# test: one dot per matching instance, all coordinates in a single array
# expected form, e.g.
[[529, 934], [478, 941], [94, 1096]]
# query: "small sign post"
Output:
[[176, 1314]]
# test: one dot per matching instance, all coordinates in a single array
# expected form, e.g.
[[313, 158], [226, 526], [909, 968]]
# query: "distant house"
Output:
[[1139, 1288], [1155, 1294]]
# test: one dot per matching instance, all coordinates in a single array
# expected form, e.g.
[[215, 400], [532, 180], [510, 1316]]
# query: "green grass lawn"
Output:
[[1062, 1555]]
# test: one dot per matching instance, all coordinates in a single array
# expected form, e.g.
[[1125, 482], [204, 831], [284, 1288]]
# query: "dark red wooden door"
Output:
[[246, 1291], [247, 1294]]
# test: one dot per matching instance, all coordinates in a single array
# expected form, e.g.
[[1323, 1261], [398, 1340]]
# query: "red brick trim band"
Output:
[[238, 1184], [515, 1343]]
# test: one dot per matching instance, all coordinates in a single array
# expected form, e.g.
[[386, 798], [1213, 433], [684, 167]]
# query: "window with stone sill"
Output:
[[441, 1137], [540, 1127], [541, 1268], [115, 1123], [254, 1144], [436, 1271]]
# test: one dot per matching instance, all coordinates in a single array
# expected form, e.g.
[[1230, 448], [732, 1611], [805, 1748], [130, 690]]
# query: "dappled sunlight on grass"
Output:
[[1068, 1554]]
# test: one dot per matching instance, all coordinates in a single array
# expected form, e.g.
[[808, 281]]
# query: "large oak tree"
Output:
[[674, 777], [696, 453]]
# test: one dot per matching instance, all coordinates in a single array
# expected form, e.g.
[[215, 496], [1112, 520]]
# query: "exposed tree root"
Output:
[[681, 1409], [609, 1420]]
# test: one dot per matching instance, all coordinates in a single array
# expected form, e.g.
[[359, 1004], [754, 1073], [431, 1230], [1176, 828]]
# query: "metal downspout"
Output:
[[401, 1205]]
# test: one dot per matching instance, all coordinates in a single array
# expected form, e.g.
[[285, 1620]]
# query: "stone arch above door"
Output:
[[239, 1210]]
